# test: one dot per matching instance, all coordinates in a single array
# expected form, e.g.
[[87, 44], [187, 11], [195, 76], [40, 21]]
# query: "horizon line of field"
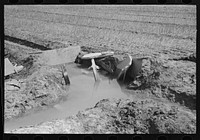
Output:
[[106, 28], [143, 8], [103, 18], [121, 13]]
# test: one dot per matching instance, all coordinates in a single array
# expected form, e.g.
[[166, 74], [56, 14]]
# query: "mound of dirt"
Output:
[[169, 79], [39, 85], [121, 116], [41, 89]]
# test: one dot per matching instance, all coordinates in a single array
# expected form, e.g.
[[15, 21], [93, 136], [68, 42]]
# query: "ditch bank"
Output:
[[121, 116], [39, 86], [173, 80], [161, 79]]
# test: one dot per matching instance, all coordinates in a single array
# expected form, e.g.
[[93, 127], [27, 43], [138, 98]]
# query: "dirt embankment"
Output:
[[121, 116], [168, 77], [40, 85]]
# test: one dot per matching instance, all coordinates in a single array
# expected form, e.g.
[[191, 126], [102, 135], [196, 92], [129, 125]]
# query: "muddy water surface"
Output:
[[84, 92]]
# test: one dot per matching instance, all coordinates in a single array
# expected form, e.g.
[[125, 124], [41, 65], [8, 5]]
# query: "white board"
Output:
[[60, 56]]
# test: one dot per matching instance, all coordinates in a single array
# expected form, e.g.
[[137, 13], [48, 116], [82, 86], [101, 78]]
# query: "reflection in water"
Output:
[[95, 87]]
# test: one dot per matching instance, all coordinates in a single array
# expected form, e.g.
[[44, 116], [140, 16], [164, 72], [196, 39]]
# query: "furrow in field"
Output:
[[180, 31], [152, 17], [167, 11], [83, 35]]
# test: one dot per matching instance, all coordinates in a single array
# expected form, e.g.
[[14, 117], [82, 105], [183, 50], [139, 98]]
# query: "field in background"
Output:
[[139, 30]]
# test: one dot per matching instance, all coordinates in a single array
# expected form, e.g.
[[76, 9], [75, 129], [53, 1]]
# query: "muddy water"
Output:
[[84, 92]]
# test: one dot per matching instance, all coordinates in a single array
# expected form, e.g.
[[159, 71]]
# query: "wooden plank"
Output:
[[60, 56]]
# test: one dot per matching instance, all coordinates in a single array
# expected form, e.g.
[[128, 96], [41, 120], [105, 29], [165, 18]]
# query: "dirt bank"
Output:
[[174, 80], [122, 116], [40, 86]]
